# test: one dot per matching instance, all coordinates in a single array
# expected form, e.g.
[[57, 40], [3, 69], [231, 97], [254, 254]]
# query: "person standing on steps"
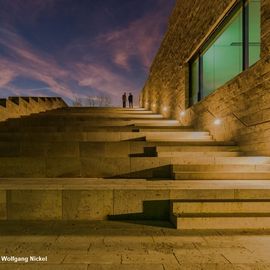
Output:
[[130, 100], [124, 100]]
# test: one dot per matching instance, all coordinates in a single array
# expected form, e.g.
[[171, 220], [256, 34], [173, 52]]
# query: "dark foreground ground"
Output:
[[109, 245]]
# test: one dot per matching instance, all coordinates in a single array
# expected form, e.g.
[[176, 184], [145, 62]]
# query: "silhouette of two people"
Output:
[[130, 100]]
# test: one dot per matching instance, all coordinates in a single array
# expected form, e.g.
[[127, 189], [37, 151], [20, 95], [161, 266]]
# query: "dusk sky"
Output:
[[79, 48]]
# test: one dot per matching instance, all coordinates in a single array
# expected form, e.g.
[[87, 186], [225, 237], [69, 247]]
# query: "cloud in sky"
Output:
[[22, 60], [140, 39], [53, 49]]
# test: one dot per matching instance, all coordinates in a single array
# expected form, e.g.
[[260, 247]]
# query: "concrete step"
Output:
[[241, 175], [194, 144], [70, 128], [220, 222], [171, 123], [165, 129], [78, 113], [190, 134], [108, 114], [71, 136], [86, 149], [91, 122], [226, 164], [74, 149], [85, 166], [175, 139], [63, 124], [98, 199], [219, 206], [86, 110], [81, 127], [5, 126], [85, 117], [245, 171], [177, 136], [194, 148], [77, 148], [94, 136], [94, 116], [200, 154], [179, 190]]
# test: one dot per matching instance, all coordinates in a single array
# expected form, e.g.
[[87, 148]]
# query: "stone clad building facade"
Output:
[[239, 109]]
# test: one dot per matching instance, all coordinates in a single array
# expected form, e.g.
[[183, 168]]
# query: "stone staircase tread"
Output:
[[239, 175], [203, 166], [154, 133], [206, 149], [218, 201], [221, 172], [220, 215], [183, 140], [220, 206], [196, 185], [196, 143], [200, 153]]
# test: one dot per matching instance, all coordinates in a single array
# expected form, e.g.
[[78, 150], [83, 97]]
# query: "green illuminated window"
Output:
[[232, 48]]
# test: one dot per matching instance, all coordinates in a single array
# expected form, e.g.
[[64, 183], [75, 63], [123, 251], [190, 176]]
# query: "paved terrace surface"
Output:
[[108, 245]]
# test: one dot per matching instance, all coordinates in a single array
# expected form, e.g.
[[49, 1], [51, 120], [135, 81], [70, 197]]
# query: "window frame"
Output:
[[240, 4]]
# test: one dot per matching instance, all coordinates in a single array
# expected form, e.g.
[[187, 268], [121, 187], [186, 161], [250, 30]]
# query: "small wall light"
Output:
[[183, 113], [165, 109], [217, 121], [154, 105]]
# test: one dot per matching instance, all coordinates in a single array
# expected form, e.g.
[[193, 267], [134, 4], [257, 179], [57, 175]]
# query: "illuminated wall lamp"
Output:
[[217, 122], [165, 109], [183, 113]]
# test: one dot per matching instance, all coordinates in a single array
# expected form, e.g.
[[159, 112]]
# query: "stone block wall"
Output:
[[15, 107], [242, 104]]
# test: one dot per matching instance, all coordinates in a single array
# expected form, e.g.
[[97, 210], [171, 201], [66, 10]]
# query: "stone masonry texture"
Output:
[[243, 104]]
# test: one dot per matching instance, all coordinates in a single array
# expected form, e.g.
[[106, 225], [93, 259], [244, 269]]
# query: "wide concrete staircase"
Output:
[[111, 163]]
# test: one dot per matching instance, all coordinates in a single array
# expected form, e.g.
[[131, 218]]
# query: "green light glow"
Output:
[[222, 59]]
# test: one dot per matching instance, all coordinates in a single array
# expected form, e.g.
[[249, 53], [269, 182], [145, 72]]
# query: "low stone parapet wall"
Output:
[[118, 199], [14, 107]]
